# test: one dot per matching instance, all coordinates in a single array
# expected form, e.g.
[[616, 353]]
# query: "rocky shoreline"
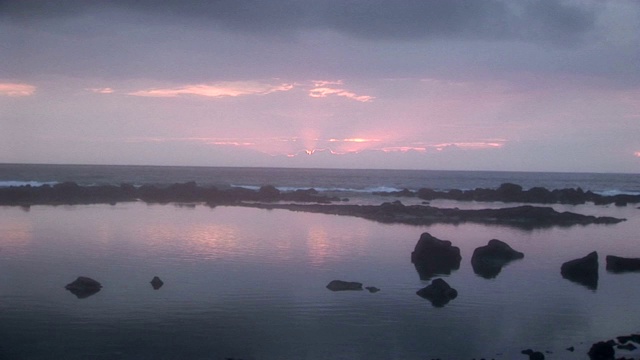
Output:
[[308, 200], [509, 192], [527, 216]]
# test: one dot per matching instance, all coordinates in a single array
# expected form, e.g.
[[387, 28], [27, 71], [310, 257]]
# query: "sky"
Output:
[[513, 85]]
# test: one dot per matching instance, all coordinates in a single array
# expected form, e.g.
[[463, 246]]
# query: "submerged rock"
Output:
[[433, 256], [83, 287], [339, 285], [533, 355], [372, 289], [618, 264], [156, 283], [439, 292], [487, 261], [583, 271], [602, 350]]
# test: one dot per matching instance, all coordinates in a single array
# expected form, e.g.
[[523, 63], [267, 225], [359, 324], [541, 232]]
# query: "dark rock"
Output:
[[487, 261], [372, 289], [339, 285], [618, 264], [533, 355], [432, 256], [83, 287], [509, 192], [268, 192], [156, 283], [633, 337], [439, 292], [602, 350], [571, 348], [627, 346], [583, 271]]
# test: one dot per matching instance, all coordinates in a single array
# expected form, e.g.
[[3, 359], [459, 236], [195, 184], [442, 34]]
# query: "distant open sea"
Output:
[[247, 283], [346, 180]]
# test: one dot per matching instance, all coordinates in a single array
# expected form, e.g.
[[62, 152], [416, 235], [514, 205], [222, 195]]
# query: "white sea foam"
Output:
[[325, 189], [615, 192], [9, 183]]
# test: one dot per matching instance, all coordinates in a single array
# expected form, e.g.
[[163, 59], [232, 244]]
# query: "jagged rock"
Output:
[[618, 264], [602, 350], [339, 285], [432, 256], [439, 292], [583, 271], [156, 283], [83, 287], [487, 261]]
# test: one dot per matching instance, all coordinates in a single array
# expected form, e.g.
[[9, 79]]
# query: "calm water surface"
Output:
[[249, 283]]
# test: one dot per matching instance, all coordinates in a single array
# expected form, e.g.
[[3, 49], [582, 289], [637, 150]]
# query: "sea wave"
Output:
[[368, 190], [10, 183], [616, 192]]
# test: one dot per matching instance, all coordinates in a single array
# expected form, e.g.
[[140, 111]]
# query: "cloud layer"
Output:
[[496, 84]]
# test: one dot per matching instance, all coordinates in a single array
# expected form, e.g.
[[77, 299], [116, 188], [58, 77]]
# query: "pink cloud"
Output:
[[105, 90], [222, 89], [404, 148], [323, 83], [16, 89], [470, 145], [637, 153], [324, 88]]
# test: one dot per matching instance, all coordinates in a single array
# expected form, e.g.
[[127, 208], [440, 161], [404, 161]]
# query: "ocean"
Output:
[[246, 283], [286, 179]]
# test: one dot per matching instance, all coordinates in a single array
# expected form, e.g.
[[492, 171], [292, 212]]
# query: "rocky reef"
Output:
[[525, 217], [509, 192], [70, 193]]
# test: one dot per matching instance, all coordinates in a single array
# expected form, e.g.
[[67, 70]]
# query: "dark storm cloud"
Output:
[[241, 40], [551, 20]]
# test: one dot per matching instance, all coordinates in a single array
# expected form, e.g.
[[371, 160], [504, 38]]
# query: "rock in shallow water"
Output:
[[533, 355], [432, 256], [583, 271], [339, 285], [487, 261], [439, 292], [156, 283], [83, 287], [617, 264]]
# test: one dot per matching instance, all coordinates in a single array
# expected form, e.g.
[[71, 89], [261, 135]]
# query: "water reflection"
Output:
[[16, 235], [248, 283], [318, 245]]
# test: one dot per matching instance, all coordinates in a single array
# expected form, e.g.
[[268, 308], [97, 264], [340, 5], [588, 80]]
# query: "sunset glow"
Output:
[[406, 84], [231, 89], [105, 90], [292, 147], [16, 89]]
